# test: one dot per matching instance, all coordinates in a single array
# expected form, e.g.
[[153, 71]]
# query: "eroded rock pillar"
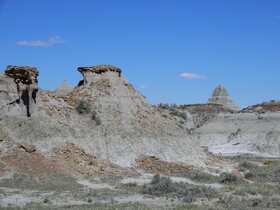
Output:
[[25, 78]]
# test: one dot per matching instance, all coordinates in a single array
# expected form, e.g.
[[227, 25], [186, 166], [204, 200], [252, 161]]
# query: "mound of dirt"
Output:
[[154, 165], [76, 160]]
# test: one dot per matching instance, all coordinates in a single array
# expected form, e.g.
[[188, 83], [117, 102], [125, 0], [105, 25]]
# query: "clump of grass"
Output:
[[163, 186], [228, 178], [256, 189], [268, 172], [199, 176], [159, 186], [246, 165], [127, 206], [250, 196], [53, 182]]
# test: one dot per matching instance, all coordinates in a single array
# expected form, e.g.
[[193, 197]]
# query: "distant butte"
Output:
[[220, 96]]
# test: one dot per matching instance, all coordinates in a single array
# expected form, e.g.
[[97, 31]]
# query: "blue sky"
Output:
[[173, 51]]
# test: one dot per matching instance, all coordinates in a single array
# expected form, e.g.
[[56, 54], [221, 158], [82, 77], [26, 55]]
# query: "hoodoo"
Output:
[[25, 80], [221, 96], [105, 115], [91, 73]]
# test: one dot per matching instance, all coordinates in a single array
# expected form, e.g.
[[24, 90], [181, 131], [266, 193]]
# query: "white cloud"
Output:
[[50, 42], [192, 76]]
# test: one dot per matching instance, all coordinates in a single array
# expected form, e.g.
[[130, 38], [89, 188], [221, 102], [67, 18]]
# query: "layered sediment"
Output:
[[220, 96], [105, 116], [20, 86]]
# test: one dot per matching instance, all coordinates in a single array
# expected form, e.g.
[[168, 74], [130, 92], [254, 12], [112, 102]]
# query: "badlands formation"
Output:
[[104, 128], [221, 96], [105, 116]]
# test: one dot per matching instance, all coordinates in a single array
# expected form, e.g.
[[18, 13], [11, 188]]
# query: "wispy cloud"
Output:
[[50, 42], [143, 87], [192, 76]]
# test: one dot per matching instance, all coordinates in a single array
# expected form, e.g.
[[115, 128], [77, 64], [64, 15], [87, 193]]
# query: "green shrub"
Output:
[[269, 172], [83, 107], [163, 186], [249, 175], [199, 176], [159, 186], [228, 178], [246, 165], [53, 182]]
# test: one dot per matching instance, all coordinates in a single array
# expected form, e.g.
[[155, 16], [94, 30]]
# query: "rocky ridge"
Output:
[[104, 116], [102, 142], [108, 119]]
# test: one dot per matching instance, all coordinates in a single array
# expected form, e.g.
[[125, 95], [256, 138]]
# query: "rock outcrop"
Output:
[[19, 86], [272, 106], [90, 74], [221, 96], [105, 116], [242, 133], [252, 131]]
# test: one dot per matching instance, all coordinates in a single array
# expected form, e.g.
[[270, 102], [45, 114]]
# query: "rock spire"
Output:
[[25, 78], [220, 96]]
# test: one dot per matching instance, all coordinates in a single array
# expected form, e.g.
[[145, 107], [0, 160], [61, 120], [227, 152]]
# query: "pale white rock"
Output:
[[129, 127], [220, 96]]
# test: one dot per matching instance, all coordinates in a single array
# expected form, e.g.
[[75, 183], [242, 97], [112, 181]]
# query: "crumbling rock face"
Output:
[[34, 164], [118, 126], [26, 85], [272, 106], [193, 116], [27, 148], [202, 114], [8, 91], [75, 159], [154, 165], [91, 73], [242, 133], [205, 108]]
